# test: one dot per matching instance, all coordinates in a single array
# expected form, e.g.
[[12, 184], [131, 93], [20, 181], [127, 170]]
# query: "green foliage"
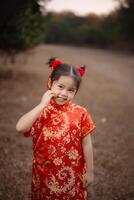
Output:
[[104, 31], [31, 29], [126, 20], [25, 29], [68, 28], [63, 28]]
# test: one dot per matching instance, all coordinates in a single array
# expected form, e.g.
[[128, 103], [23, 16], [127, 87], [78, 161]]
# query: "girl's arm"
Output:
[[26, 121], [88, 155]]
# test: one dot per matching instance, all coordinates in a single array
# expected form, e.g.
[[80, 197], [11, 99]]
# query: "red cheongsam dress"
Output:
[[58, 161]]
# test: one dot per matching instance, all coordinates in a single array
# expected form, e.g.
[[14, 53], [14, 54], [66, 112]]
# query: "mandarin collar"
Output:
[[58, 107]]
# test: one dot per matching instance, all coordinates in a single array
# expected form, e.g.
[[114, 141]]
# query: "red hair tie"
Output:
[[55, 64], [81, 70]]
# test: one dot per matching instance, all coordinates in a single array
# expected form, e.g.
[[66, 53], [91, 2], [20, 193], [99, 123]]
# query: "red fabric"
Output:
[[58, 163], [81, 70], [55, 64]]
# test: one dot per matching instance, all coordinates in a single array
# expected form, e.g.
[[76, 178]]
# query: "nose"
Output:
[[64, 93]]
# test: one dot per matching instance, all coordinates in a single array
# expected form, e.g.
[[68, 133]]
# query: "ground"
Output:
[[107, 92]]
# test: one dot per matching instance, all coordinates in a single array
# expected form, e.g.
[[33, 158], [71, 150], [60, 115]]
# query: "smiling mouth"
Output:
[[61, 99]]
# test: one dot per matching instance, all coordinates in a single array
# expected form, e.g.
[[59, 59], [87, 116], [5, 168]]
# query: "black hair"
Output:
[[65, 70]]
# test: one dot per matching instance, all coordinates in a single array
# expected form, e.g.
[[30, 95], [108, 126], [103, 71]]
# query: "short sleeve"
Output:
[[36, 127], [87, 124]]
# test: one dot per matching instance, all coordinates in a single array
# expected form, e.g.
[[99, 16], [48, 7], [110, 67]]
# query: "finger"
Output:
[[49, 92], [85, 182], [53, 94]]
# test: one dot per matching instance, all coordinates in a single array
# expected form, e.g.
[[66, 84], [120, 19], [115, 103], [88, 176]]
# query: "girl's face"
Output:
[[64, 88]]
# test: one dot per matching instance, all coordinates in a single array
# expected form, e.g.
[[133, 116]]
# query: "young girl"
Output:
[[62, 148]]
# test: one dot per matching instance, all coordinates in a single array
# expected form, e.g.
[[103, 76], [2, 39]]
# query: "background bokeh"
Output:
[[22, 26], [29, 35]]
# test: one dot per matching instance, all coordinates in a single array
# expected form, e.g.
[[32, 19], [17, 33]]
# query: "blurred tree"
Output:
[[93, 19], [108, 30], [8, 9], [63, 27], [126, 19], [21, 24]]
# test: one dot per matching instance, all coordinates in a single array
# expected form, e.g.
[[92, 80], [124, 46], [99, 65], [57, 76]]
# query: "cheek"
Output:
[[71, 96], [54, 89]]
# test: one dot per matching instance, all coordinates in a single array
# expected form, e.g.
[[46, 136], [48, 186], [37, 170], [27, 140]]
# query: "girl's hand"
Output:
[[88, 179], [47, 97]]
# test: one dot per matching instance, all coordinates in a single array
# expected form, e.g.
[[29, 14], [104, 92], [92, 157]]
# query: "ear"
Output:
[[49, 84]]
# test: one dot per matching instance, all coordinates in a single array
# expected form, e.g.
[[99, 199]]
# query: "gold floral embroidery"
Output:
[[67, 138], [54, 185], [57, 161], [72, 192], [62, 129], [51, 149], [55, 121], [73, 154], [63, 149], [77, 124]]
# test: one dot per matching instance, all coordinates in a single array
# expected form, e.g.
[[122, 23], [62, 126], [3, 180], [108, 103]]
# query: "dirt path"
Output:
[[107, 92]]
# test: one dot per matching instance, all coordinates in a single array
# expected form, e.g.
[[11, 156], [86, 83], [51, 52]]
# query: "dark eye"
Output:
[[60, 86], [71, 90]]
